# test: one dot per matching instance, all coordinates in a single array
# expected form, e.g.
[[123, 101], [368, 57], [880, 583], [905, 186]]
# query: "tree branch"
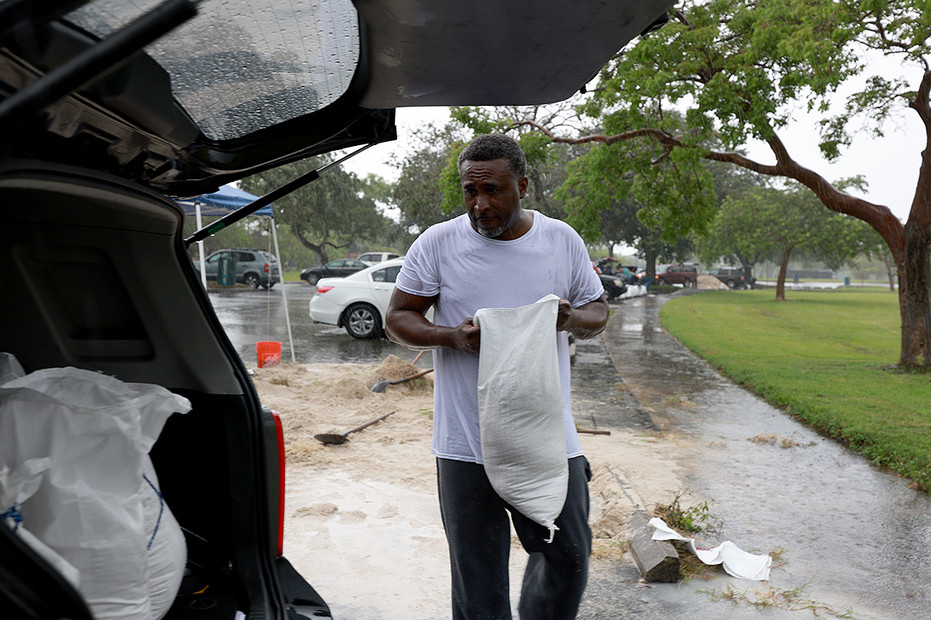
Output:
[[922, 104], [878, 216]]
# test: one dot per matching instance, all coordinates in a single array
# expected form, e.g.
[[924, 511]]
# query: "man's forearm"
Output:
[[412, 330], [589, 320]]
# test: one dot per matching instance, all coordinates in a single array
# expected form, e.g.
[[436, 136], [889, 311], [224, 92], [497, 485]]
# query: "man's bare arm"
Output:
[[406, 325], [584, 322]]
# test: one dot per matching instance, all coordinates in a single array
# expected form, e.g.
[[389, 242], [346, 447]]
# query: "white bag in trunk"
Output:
[[96, 432], [520, 409]]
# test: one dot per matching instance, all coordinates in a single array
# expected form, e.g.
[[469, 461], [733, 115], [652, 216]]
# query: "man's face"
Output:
[[492, 194]]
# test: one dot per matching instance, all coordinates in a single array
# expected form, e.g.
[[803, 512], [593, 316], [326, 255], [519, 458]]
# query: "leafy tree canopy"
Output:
[[333, 212], [739, 68]]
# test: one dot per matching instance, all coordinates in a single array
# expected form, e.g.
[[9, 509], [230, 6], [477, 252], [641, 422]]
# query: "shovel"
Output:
[[339, 438], [384, 383]]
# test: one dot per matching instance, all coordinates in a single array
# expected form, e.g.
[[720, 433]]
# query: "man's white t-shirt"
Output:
[[468, 271]]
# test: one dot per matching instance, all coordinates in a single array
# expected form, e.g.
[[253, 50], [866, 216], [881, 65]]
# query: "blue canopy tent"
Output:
[[222, 202]]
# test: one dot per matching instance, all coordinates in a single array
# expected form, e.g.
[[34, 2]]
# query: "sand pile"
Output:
[[361, 519]]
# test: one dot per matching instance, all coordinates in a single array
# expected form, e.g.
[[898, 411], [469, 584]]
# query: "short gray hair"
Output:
[[491, 146]]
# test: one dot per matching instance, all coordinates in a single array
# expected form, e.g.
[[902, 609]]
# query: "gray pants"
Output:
[[476, 522]]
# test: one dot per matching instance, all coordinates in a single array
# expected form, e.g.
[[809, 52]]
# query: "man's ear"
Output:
[[522, 184]]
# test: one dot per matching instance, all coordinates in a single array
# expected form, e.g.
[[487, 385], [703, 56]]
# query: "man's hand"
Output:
[[564, 316], [406, 324], [586, 321], [467, 336]]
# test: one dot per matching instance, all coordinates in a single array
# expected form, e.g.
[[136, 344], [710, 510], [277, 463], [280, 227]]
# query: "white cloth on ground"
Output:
[[735, 561]]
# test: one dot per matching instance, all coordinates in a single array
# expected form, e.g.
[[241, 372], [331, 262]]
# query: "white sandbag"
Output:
[[166, 551], [96, 432], [521, 410], [16, 487]]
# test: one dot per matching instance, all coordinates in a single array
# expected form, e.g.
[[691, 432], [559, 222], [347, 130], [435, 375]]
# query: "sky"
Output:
[[889, 164]]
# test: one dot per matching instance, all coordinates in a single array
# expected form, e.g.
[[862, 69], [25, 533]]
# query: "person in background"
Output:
[[497, 255]]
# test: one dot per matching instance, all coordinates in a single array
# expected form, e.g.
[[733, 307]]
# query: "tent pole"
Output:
[[200, 245], [284, 289]]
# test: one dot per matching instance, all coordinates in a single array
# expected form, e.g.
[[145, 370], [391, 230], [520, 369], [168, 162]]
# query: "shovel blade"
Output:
[[331, 438], [381, 386]]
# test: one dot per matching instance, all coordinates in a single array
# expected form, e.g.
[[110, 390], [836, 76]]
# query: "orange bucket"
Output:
[[269, 353]]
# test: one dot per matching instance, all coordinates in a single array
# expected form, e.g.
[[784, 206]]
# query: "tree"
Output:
[[600, 207], [331, 212], [733, 238], [741, 67], [418, 193], [764, 221]]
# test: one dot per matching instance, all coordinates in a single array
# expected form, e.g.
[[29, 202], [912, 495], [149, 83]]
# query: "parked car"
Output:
[[613, 267], [614, 285], [373, 258], [110, 113], [254, 268], [686, 275], [733, 277], [339, 268], [357, 302]]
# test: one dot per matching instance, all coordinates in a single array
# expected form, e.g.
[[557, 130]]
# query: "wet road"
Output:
[[250, 316], [853, 539]]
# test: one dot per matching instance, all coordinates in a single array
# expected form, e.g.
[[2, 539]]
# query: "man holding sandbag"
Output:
[[499, 256]]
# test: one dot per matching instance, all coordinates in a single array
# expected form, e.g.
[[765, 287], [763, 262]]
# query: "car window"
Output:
[[213, 258], [244, 257], [388, 274], [235, 74], [367, 257]]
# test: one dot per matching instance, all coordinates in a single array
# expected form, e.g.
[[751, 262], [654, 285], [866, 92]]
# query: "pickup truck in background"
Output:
[[686, 275]]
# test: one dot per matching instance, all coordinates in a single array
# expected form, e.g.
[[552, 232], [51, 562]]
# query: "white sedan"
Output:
[[357, 302]]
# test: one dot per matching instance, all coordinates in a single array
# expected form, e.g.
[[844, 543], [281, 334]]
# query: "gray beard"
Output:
[[491, 234]]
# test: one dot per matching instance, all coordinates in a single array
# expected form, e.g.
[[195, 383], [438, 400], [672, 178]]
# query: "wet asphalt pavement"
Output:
[[852, 539]]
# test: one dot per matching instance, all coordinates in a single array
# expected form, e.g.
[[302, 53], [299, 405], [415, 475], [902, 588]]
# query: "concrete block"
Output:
[[657, 560]]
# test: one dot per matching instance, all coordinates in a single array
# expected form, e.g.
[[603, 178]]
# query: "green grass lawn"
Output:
[[826, 357], [292, 276]]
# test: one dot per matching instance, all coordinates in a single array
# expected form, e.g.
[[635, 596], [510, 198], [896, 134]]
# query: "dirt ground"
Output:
[[361, 519]]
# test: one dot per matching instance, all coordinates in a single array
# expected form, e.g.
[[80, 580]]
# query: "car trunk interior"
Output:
[[96, 277]]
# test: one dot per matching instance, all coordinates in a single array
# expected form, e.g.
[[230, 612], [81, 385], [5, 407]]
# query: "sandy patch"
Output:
[[362, 522]]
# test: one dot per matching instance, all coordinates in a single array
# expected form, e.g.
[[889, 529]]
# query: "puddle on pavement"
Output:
[[857, 536]]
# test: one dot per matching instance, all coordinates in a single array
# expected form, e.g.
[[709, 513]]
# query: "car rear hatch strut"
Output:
[[267, 199]]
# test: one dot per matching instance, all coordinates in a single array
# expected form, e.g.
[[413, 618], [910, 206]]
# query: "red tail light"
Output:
[[280, 434], [266, 267], [324, 289]]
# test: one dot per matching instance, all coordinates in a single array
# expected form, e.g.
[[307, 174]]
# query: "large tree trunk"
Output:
[[914, 298], [650, 258], [783, 269], [319, 250]]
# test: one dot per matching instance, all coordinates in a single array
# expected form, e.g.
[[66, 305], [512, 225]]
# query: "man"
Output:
[[497, 255]]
